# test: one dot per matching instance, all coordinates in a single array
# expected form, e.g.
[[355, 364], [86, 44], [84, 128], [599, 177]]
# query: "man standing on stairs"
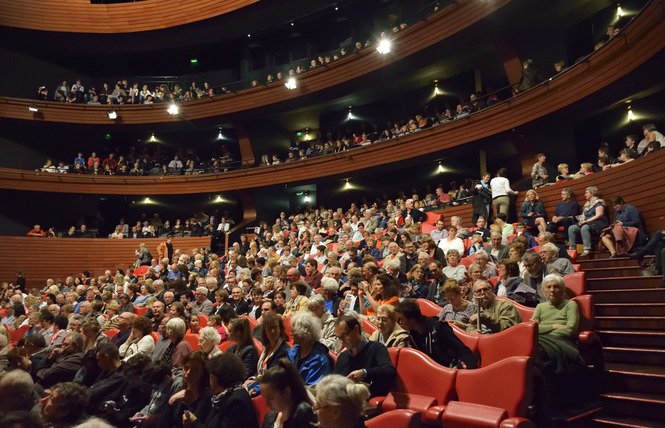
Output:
[[656, 245]]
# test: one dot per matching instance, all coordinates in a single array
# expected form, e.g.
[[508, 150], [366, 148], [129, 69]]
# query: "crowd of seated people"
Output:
[[196, 225], [143, 162], [122, 92]]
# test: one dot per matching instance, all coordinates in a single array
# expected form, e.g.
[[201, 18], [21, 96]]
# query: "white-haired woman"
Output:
[[340, 402], [209, 338], [178, 348], [311, 356], [558, 320], [328, 290], [594, 220], [317, 305], [456, 222]]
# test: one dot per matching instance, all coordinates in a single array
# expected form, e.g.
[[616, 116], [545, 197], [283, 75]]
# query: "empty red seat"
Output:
[[429, 308], [506, 385], [432, 218], [575, 284], [422, 385], [368, 326], [111, 332], [193, 340], [518, 340], [395, 419]]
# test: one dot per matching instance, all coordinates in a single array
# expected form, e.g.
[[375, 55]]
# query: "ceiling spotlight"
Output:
[[112, 114], [219, 136], [350, 115], [173, 109], [440, 168], [384, 46], [347, 186], [291, 83], [306, 134], [249, 35], [619, 10], [218, 199], [292, 24], [307, 197], [33, 108], [631, 115], [147, 200], [152, 138], [436, 87]]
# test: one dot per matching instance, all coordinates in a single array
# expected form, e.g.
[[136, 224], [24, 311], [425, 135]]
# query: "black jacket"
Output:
[[303, 417], [373, 357], [440, 343], [233, 411]]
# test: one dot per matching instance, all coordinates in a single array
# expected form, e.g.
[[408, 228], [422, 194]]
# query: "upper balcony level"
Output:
[[636, 45], [447, 22]]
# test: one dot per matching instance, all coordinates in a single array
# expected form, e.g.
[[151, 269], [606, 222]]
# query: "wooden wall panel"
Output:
[[441, 25], [79, 16], [42, 258]]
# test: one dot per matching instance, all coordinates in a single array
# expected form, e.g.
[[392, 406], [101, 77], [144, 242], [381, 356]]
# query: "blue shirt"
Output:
[[628, 216], [567, 209]]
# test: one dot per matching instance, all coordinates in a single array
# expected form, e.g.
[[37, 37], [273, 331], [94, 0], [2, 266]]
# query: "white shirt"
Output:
[[501, 187], [456, 244], [643, 144]]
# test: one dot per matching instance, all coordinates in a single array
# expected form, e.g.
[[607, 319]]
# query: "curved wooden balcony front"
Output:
[[441, 25], [79, 16], [636, 44]]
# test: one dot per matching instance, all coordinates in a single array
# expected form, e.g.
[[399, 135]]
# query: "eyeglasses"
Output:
[[481, 290], [318, 407]]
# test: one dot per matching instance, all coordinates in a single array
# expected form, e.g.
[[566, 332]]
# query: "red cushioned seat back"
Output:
[[203, 320], [193, 340], [395, 419], [394, 355], [572, 255], [225, 345], [252, 322], [506, 384], [468, 261], [429, 308], [368, 326], [261, 408], [518, 340], [471, 415], [575, 284], [587, 320], [525, 311], [470, 340], [111, 332], [287, 328], [432, 218], [422, 382]]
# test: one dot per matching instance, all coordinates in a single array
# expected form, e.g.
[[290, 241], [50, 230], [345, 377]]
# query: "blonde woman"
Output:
[[533, 211]]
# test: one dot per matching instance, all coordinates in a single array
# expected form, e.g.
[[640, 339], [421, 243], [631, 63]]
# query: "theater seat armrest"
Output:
[[517, 423], [433, 414], [377, 401], [588, 337]]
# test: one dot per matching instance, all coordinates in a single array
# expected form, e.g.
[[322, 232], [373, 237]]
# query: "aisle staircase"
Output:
[[630, 319]]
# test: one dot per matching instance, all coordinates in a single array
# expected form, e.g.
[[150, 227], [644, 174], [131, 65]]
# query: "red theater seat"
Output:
[[203, 320], [368, 326], [252, 322], [469, 260], [520, 340], [572, 255], [193, 340], [429, 308], [506, 385], [111, 332], [155, 336], [225, 345], [261, 408], [471, 415], [575, 284], [432, 218], [525, 311], [16, 335], [140, 311], [589, 342], [422, 385], [470, 340], [395, 419]]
